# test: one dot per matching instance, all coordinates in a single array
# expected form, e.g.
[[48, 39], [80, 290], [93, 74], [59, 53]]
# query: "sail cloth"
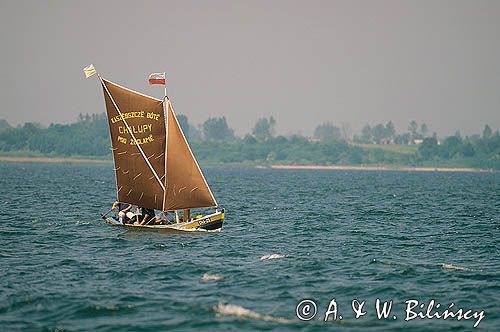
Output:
[[186, 185], [135, 181]]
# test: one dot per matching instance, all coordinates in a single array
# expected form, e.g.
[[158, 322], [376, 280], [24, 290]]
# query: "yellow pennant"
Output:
[[89, 70]]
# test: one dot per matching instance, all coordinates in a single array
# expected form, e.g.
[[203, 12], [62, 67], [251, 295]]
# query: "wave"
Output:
[[78, 222], [454, 267], [272, 256], [235, 310], [378, 261], [209, 277]]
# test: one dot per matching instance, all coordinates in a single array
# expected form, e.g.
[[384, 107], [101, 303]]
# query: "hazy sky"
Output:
[[304, 62]]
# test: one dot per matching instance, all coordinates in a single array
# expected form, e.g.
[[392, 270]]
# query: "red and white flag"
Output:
[[157, 78]]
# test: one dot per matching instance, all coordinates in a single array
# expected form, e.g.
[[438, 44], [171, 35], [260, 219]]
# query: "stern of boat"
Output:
[[209, 222]]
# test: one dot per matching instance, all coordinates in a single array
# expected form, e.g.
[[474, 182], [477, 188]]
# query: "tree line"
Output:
[[214, 141], [378, 134]]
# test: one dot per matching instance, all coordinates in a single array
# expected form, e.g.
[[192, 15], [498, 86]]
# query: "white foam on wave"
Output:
[[272, 256], [454, 267], [237, 311], [210, 277], [78, 222]]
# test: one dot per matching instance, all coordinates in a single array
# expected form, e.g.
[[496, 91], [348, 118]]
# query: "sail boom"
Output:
[[182, 207]]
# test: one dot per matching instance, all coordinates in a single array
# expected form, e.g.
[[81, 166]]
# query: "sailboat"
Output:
[[154, 165]]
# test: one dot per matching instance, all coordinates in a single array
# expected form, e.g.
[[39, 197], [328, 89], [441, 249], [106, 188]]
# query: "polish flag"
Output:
[[157, 78]]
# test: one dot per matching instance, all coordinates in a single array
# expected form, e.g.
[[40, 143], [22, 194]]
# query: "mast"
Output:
[[165, 98]]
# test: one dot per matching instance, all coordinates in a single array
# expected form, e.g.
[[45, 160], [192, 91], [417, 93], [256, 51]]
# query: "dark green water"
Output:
[[342, 234]]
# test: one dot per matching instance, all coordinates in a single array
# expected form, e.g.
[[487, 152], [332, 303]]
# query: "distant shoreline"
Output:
[[55, 160], [69, 160], [378, 168]]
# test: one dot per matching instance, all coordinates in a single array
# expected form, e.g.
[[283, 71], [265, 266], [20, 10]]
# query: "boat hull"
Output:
[[211, 222]]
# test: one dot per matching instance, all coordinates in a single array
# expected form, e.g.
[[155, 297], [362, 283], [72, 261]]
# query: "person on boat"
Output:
[[162, 219], [122, 209], [130, 216], [148, 216], [134, 217]]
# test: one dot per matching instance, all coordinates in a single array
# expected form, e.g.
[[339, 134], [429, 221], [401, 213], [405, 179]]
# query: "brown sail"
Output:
[[137, 122], [186, 185]]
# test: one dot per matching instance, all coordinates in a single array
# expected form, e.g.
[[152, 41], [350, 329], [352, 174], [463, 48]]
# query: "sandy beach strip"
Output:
[[377, 168], [52, 160]]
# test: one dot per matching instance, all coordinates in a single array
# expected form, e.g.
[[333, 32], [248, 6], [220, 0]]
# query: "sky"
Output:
[[302, 62]]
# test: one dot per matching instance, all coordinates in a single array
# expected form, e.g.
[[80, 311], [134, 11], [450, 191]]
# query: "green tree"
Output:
[[467, 149], [412, 128], [390, 132], [264, 128], [486, 132], [184, 123], [451, 145], [378, 133], [367, 134], [429, 148], [194, 133], [402, 138], [216, 129], [346, 132], [4, 124], [327, 132], [423, 129]]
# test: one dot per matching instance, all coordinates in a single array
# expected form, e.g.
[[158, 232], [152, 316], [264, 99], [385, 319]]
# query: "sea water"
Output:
[[345, 242]]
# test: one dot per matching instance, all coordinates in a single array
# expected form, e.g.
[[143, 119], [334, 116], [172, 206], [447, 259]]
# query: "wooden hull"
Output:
[[211, 222]]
